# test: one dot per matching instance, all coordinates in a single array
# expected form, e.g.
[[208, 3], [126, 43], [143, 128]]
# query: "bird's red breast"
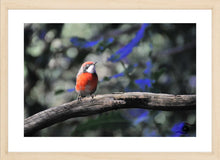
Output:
[[86, 83]]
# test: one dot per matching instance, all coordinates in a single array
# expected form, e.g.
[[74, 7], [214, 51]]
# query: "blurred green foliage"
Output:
[[163, 61]]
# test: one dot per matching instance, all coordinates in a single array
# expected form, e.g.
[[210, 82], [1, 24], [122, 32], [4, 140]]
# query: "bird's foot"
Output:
[[92, 95], [79, 99]]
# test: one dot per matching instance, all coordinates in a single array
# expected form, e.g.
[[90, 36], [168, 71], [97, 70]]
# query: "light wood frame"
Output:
[[214, 5]]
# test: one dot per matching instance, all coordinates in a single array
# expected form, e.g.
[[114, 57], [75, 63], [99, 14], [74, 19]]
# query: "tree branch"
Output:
[[107, 102]]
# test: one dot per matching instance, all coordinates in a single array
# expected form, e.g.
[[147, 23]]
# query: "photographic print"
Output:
[[86, 64]]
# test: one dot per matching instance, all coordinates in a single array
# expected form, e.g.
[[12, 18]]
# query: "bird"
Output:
[[86, 80]]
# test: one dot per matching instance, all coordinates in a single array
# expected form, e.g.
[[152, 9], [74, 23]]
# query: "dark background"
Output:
[[159, 58]]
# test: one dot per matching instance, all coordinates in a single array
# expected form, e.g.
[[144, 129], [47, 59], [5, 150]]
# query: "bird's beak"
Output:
[[95, 63]]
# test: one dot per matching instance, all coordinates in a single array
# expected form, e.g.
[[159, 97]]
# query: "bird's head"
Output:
[[88, 67]]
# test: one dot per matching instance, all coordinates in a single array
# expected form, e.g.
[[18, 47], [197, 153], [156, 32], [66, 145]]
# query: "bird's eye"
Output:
[[87, 66]]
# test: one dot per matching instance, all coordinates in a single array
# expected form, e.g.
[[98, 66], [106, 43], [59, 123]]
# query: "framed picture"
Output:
[[126, 82]]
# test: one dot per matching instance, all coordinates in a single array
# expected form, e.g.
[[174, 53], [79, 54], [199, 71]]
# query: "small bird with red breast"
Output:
[[86, 80]]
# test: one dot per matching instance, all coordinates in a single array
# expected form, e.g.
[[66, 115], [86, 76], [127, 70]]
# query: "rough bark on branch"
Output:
[[107, 102]]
